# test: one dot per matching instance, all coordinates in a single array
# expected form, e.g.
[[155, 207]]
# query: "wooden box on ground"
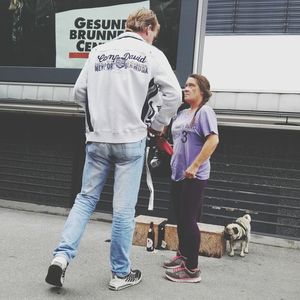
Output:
[[212, 239], [141, 229]]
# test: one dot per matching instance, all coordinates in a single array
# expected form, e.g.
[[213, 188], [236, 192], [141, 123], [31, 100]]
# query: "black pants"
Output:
[[187, 197]]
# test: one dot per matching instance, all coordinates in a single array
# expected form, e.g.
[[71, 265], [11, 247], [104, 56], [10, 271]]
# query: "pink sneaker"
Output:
[[183, 274], [174, 262]]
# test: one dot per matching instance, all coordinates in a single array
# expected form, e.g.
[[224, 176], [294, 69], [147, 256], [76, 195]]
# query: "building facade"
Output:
[[250, 57]]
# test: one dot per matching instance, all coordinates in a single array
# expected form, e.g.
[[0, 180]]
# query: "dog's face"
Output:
[[232, 232]]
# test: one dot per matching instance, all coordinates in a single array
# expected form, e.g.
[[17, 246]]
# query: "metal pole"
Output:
[[200, 36]]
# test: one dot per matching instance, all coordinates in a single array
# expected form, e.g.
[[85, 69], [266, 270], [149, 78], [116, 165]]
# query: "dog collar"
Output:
[[241, 226]]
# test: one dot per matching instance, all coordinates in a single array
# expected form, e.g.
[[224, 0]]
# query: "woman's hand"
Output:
[[208, 148], [191, 171]]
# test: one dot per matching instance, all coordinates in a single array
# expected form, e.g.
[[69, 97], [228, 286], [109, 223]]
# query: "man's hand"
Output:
[[151, 131]]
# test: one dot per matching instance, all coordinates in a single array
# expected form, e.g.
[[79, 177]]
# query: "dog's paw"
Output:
[[246, 251], [242, 254], [231, 253]]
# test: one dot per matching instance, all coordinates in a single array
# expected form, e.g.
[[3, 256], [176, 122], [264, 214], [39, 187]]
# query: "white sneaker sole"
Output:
[[121, 287], [187, 280]]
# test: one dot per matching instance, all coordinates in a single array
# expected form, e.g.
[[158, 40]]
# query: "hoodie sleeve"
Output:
[[170, 89], [80, 87]]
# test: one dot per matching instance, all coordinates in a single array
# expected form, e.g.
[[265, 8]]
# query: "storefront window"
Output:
[[61, 33]]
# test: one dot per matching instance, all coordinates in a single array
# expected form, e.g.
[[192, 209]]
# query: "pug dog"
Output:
[[238, 232]]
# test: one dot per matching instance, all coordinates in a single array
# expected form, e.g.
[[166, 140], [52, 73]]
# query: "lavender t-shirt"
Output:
[[189, 139]]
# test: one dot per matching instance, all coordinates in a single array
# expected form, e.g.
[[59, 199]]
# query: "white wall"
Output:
[[253, 63]]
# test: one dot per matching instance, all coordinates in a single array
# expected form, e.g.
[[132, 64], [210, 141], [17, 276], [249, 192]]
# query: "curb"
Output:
[[51, 210]]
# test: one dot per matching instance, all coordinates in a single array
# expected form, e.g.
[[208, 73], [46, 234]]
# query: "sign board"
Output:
[[79, 30]]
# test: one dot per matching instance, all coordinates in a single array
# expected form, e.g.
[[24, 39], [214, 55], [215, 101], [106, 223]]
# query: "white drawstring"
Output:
[[149, 181]]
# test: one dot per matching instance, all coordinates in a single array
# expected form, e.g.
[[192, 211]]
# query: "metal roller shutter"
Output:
[[40, 158], [253, 17], [256, 171]]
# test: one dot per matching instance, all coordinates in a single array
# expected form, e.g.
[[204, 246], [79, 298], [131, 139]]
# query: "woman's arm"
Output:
[[207, 150]]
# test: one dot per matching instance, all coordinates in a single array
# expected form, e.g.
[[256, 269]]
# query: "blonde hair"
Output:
[[141, 19]]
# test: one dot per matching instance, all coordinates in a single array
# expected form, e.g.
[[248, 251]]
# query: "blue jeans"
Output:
[[128, 159]]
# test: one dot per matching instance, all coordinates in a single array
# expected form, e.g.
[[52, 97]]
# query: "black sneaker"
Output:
[[118, 283], [56, 272]]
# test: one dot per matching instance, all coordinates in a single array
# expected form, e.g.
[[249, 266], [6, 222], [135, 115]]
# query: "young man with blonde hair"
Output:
[[116, 87]]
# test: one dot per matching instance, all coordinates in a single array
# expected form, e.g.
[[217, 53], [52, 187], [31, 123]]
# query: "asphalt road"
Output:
[[28, 238]]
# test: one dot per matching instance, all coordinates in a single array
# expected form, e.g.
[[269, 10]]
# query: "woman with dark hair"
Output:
[[195, 137]]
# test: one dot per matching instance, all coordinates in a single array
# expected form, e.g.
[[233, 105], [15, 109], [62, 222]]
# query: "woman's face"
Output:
[[192, 92]]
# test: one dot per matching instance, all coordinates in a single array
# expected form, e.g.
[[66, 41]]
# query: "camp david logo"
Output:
[[120, 62], [110, 62]]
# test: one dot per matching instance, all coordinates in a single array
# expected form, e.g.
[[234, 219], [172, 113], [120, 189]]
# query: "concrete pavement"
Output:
[[270, 271]]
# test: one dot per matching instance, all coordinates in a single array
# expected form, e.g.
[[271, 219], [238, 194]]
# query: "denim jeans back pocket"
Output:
[[132, 151]]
